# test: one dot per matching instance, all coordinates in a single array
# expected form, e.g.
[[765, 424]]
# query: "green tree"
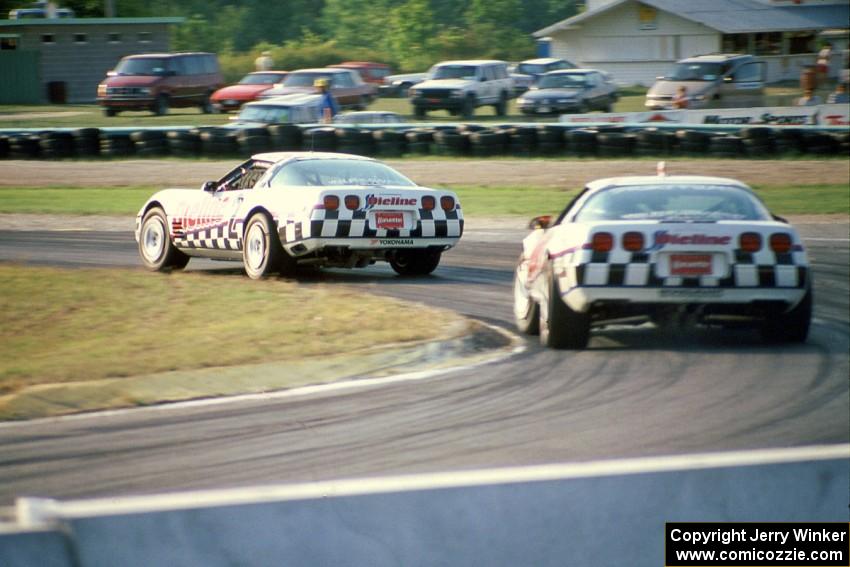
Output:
[[411, 31]]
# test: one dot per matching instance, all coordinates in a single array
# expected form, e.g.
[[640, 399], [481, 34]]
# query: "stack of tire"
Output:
[[788, 141], [4, 147], [550, 139], [355, 141], [183, 143], [693, 142], [758, 141], [655, 142], [522, 141], [582, 141], [24, 146], [321, 139], [820, 143], [419, 141], [53, 145], [149, 143], [614, 144], [488, 142], [451, 142], [843, 141], [219, 142], [285, 137], [116, 144], [86, 141], [728, 146], [390, 143], [253, 141]]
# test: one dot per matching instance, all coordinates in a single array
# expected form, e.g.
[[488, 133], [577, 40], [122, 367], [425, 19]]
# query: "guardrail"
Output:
[[595, 513]]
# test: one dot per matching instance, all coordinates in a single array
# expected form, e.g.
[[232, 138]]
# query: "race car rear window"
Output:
[[334, 172], [688, 202]]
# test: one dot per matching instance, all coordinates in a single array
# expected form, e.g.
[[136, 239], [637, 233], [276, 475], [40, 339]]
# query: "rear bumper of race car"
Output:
[[376, 246], [625, 301]]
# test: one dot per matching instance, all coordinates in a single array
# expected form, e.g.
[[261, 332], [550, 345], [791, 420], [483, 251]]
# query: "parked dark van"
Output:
[[159, 81]]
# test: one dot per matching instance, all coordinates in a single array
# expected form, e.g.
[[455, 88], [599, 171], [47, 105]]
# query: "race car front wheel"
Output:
[[415, 262], [560, 326], [157, 251], [262, 253], [526, 310]]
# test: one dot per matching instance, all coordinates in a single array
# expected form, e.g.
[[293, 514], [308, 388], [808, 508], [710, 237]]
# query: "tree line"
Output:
[[408, 34]]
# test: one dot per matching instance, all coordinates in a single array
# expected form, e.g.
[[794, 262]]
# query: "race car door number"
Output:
[[389, 220], [690, 264]]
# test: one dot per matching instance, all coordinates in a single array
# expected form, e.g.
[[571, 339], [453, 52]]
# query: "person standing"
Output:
[[809, 98], [328, 105], [839, 96], [824, 56], [680, 101], [264, 62]]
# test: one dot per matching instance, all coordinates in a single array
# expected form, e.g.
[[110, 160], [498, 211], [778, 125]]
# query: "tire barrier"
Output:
[[760, 142]]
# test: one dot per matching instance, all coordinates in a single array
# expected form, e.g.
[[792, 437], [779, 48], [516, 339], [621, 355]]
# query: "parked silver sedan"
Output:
[[570, 90]]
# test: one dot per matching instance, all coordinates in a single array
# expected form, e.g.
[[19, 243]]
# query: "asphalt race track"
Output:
[[634, 392]]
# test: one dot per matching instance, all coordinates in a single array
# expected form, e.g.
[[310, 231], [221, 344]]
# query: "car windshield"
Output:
[[335, 172], [304, 79], [705, 203], [146, 66], [454, 72], [695, 72], [266, 114], [562, 81], [260, 79]]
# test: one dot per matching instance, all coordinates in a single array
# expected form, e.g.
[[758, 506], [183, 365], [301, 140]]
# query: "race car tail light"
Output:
[[780, 242], [352, 202], [750, 242], [633, 241], [428, 203], [331, 202], [447, 203], [602, 242]]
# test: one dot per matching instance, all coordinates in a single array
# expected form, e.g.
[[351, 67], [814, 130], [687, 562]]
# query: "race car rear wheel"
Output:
[[261, 250], [792, 326], [560, 326], [415, 262], [157, 251], [526, 310]]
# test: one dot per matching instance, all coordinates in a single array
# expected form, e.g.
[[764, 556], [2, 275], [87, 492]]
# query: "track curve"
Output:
[[634, 392]]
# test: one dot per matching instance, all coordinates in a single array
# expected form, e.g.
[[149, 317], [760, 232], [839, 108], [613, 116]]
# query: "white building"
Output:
[[637, 41]]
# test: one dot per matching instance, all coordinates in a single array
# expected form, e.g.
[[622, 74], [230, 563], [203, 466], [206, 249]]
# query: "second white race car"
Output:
[[277, 211], [678, 248]]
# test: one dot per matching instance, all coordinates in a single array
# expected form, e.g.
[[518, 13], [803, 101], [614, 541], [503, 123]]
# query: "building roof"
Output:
[[88, 21], [732, 16]]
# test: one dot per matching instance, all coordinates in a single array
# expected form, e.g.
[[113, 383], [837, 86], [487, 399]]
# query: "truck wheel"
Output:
[[160, 106], [501, 107], [468, 110]]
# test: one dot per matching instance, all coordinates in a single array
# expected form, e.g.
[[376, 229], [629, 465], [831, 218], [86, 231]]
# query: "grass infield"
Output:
[[477, 200]]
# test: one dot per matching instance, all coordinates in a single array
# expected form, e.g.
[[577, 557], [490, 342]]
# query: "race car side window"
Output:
[[244, 176], [569, 206]]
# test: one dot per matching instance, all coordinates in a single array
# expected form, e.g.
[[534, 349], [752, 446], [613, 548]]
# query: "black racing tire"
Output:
[[792, 326], [560, 326], [156, 249], [262, 254], [160, 105], [526, 310], [415, 262]]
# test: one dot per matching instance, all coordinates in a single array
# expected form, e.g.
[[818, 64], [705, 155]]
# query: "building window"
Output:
[[8, 43], [113, 37], [48, 38], [144, 37], [769, 43], [736, 43], [81, 38], [801, 42]]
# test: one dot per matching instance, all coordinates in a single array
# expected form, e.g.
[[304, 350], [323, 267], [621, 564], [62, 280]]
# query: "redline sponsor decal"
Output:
[[690, 264], [662, 238], [373, 200]]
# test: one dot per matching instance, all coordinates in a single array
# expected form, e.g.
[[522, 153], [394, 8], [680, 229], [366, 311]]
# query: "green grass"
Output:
[[476, 200], [72, 325]]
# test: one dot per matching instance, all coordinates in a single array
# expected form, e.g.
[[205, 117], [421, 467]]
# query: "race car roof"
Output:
[[275, 157]]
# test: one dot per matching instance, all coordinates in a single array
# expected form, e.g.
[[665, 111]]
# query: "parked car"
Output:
[[526, 73], [462, 86], [247, 89], [668, 249], [370, 72], [398, 85], [279, 210], [286, 109], [158, 81], [712, 81], [573, 90], [346, 86], [369, 117]]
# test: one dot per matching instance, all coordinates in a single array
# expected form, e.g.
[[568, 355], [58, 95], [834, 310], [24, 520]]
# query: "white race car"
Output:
[[678, 248], [280, 210]]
